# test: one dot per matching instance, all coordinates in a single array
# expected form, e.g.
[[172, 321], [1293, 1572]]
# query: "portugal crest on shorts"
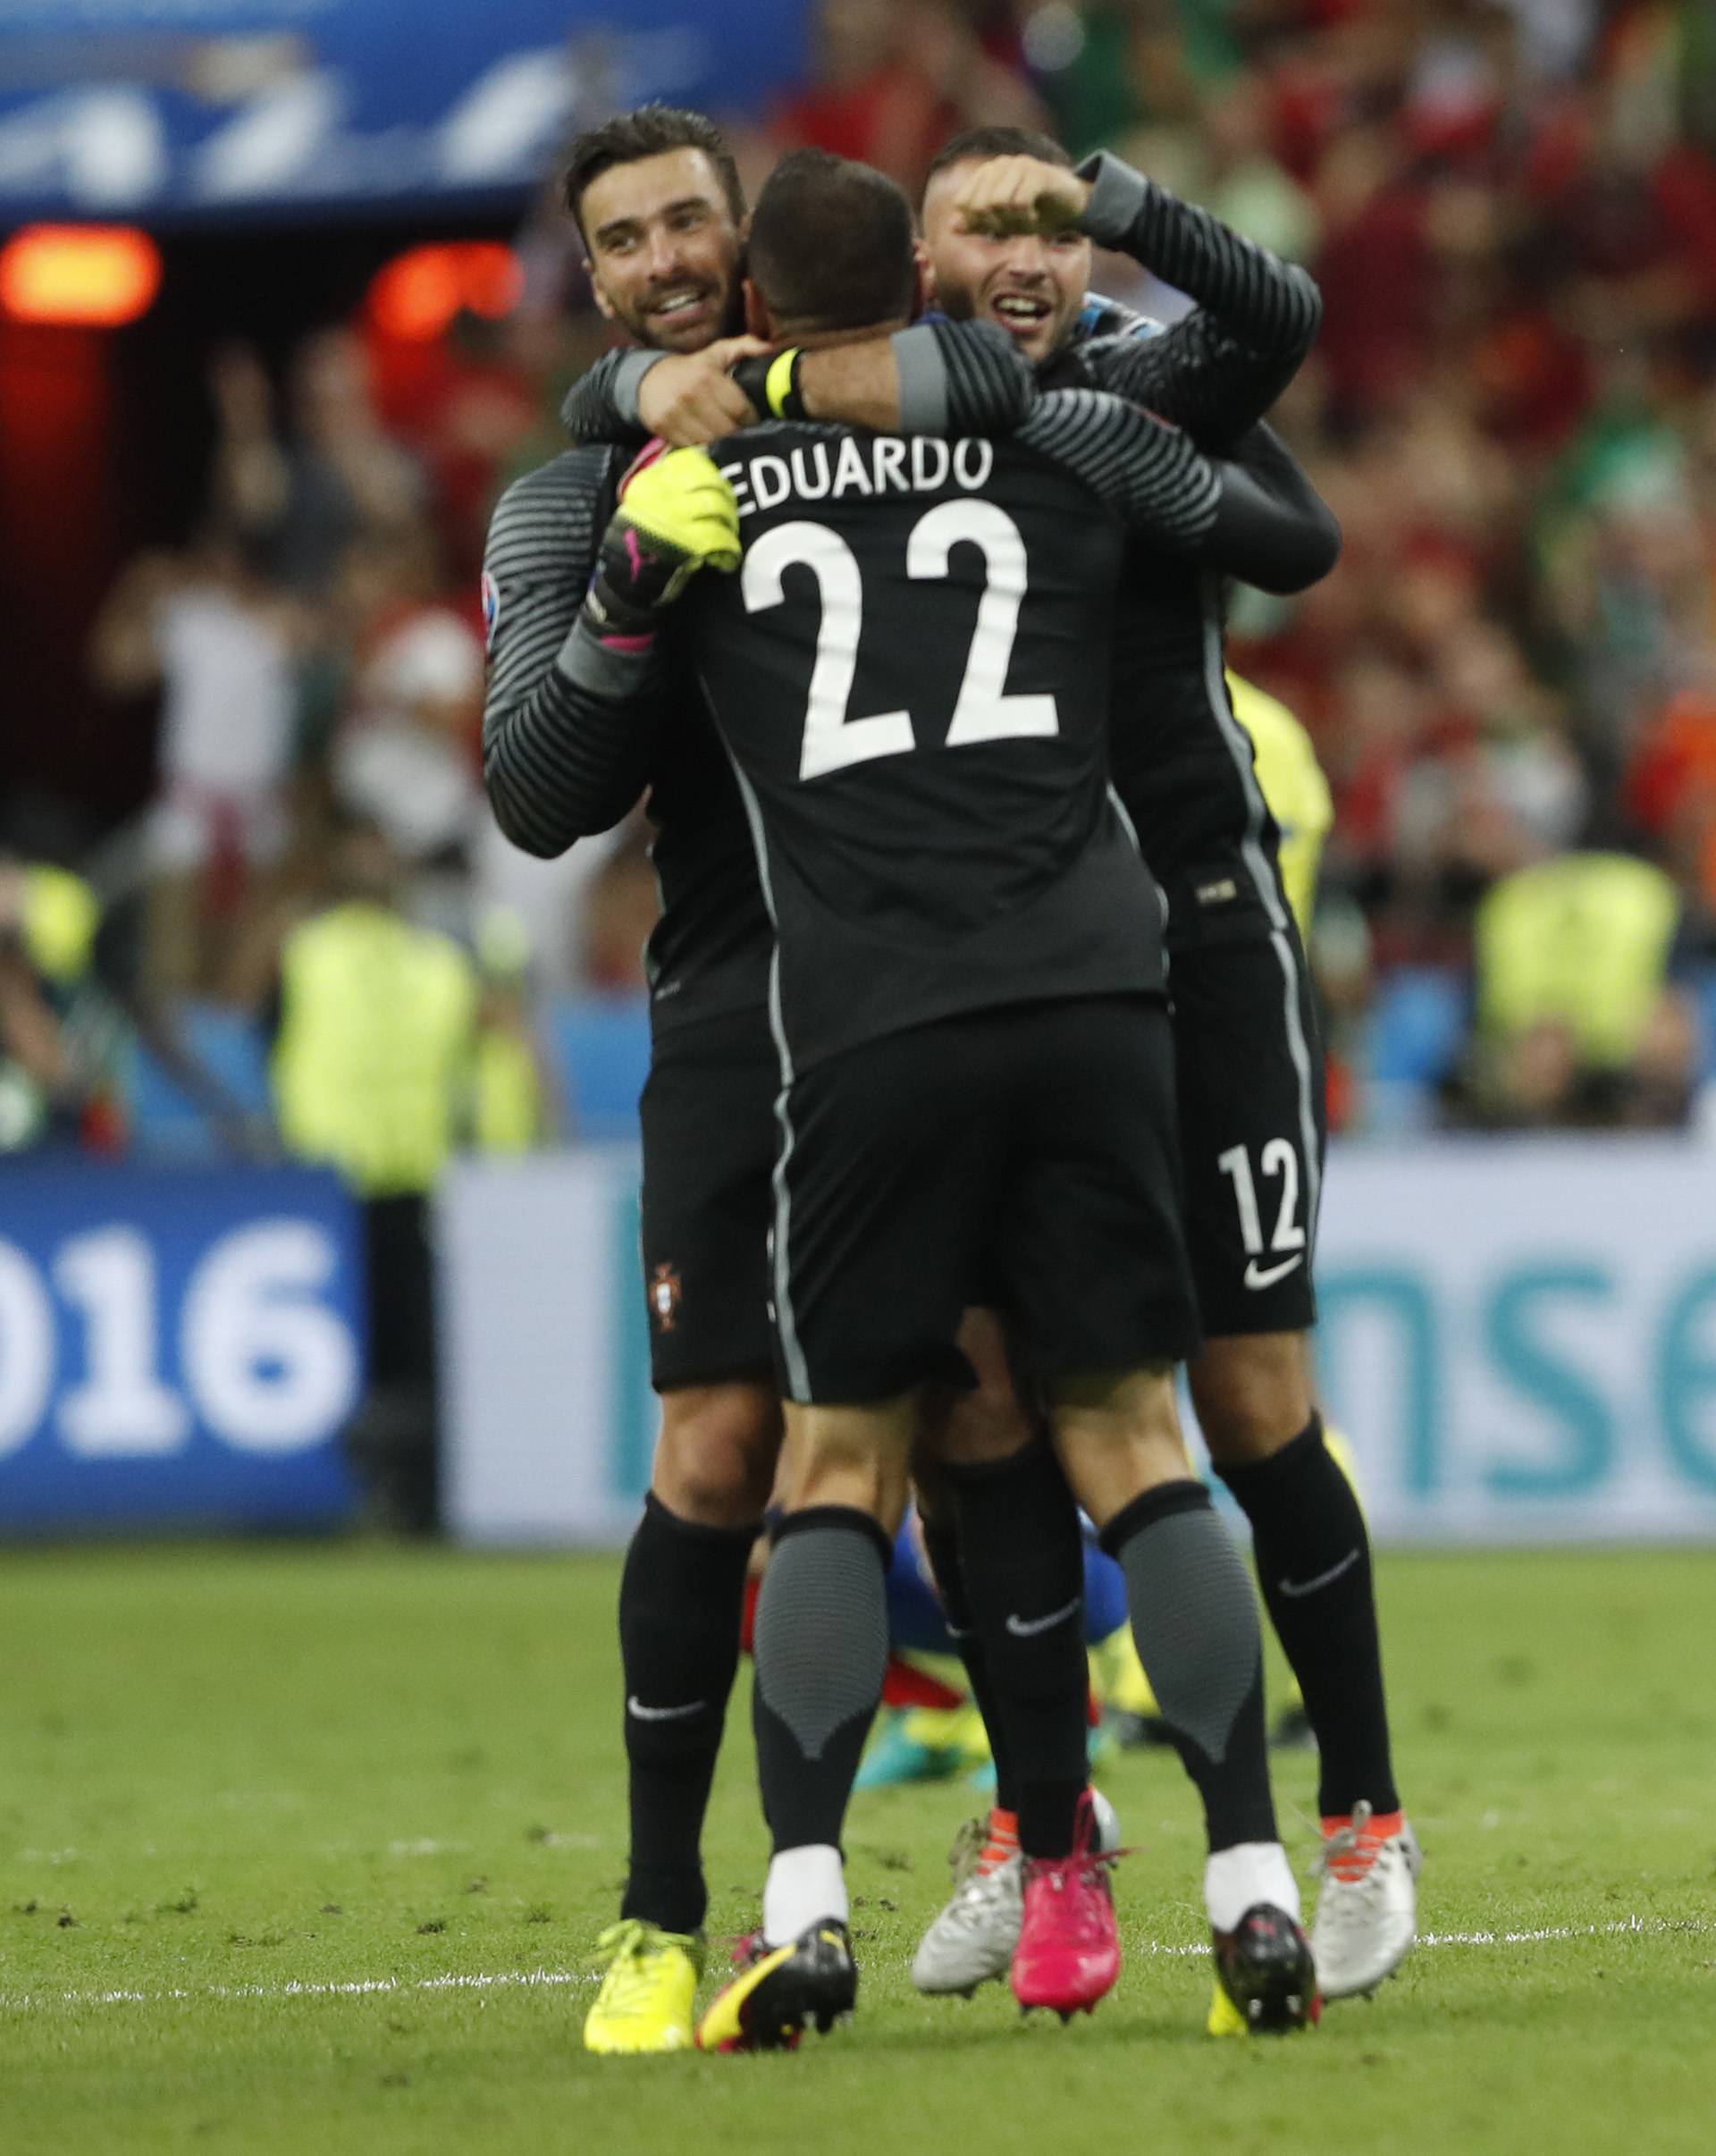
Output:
[[665, 1291]]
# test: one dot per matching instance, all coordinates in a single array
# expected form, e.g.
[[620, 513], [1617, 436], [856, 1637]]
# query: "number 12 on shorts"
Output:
[[1287, 1244]]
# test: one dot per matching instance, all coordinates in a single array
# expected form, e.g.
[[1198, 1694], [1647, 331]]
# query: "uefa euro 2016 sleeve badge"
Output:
[[665, 1291]]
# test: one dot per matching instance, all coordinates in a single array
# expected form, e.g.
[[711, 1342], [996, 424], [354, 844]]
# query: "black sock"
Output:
[[821, 1655], [681, 1607], [1313, 1554], [1022, 1559], [941, 1541], [1195, 1620]]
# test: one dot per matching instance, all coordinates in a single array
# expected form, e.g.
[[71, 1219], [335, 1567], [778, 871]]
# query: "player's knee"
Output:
[[986, 1425], [982, 1427], [715, 1460], [1252, 1395], [852, 1461], [1118, 1435]]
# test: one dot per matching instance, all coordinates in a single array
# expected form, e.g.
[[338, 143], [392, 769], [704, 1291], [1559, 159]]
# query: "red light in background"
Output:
[[97, 276], [417, 296]]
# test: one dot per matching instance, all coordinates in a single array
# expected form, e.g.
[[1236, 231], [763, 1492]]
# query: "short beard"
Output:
[[731, 324]]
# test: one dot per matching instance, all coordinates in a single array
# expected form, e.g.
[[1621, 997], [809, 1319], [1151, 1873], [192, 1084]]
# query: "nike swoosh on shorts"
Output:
[[1268, 1278], [1022, 1629], [646, 1713]]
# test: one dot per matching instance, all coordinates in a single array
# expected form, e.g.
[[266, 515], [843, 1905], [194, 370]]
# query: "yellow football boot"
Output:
[[1265, 1979], [1225, 2018], [646, 2000], [810, 1982]]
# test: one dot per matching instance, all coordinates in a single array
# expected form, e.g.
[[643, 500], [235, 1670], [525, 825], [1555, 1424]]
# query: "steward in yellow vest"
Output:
[[1582, 942], [373, 1062], [373, 1069]]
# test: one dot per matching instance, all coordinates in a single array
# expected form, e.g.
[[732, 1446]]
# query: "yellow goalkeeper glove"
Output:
[[677, 515]]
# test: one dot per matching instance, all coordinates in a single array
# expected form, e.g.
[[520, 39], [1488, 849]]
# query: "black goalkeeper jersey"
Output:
[[911, 671]]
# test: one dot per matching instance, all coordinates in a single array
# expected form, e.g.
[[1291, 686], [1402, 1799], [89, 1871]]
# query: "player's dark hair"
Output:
[[649, 130], [831, 244], [978, 143]]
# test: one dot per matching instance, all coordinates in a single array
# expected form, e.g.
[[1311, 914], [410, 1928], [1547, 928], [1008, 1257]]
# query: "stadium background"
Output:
[[285, 301], [306, 1838]]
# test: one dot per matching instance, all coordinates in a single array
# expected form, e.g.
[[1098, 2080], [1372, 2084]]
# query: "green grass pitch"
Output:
[[306, 1850]]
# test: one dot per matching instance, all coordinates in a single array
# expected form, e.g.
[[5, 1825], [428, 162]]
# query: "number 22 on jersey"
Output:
[[983, 711]]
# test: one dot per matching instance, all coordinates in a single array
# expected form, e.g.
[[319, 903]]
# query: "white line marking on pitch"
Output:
[[555, 1979], [1621, 1928], [356, 1987]]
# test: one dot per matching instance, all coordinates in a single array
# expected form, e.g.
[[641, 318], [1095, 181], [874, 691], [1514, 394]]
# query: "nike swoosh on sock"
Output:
[[672, 1713], [1023, 1627], [1296, 1588]]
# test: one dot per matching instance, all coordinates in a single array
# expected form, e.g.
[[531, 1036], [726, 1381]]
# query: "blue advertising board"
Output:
[[177, 1347], [157, 110]]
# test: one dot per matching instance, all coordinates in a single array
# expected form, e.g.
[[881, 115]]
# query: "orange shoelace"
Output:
[[1002, 1844], [1354, 1861]]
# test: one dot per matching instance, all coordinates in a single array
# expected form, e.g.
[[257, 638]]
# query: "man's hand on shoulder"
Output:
[[688, 399], [1007, 195], [677, 515]]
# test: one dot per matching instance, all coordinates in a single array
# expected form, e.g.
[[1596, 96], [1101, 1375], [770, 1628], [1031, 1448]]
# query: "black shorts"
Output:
[[1026, 1152], [1253, 1128], [709, 1140]]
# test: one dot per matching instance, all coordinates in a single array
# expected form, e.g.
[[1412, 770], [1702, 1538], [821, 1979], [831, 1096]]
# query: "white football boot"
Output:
[[972, 1940], [1367, 1907]]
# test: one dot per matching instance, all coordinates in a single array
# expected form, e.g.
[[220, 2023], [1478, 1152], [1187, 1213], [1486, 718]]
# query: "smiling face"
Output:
[[1033, 287], [663, 250]]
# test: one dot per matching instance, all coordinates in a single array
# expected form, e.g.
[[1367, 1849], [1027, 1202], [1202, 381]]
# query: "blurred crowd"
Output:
[[1510, 205], [310, 665]]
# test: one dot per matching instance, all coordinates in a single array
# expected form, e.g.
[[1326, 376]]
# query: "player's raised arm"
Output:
[[1223, 366], [551, 779], [1248, 522], [1273, 304]]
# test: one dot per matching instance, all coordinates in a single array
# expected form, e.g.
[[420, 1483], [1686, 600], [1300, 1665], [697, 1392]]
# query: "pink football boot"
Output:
[[1068, 1954]]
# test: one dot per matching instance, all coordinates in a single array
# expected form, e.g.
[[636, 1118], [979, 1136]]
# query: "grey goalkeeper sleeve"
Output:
[[558, 764]]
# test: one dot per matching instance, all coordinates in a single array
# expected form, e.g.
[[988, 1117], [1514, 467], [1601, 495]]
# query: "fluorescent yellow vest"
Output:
[[509, 1094], [1294, 786], [373, 1063], [61, 916], [1582, 940]]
